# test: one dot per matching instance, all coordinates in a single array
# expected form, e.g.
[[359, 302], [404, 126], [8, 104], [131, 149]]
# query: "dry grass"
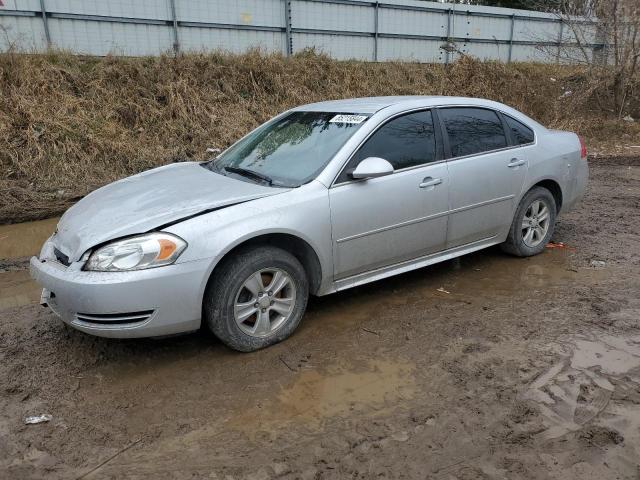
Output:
[[70, 124]]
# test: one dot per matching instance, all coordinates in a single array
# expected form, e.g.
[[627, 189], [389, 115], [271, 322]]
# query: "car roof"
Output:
[[373, 104]]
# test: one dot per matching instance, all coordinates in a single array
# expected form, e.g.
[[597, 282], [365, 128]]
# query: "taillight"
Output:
[[583, 148]]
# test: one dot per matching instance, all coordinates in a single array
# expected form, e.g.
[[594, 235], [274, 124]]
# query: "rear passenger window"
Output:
[[405, 141], [473, 130], [521, 134]]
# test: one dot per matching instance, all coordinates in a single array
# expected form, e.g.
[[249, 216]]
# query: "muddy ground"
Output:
[[486, 367]]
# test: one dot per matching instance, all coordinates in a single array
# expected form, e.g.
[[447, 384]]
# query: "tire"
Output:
[[517, 243], [243, 281]]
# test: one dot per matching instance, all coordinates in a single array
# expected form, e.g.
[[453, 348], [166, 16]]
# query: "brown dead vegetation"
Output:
[[69, 124]]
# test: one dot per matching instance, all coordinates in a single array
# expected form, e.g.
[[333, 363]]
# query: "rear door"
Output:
[[401, 216], [486, 173]]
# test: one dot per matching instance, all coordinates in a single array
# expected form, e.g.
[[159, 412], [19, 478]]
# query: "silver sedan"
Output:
[[319, 199]]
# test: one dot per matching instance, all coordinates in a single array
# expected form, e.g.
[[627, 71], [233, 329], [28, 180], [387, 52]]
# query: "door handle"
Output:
[[515, 163], [430, 182]]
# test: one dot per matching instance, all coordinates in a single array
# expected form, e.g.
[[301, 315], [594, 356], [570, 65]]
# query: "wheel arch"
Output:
[[297, 246], [554, 187]]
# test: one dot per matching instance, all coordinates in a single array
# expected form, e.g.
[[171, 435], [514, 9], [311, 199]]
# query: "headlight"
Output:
[[137, 253]]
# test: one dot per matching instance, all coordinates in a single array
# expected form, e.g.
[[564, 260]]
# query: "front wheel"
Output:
[[533, 224], [256, 298]]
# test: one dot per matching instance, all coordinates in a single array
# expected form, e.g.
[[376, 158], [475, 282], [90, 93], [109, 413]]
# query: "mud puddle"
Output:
[[339, 390], [311, 402], [18, 242], [17, 289], [479, 278], [25, 239]]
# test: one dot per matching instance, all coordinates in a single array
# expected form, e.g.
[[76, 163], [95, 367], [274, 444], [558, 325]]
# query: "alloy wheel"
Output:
[[535, 223], [264, 302]]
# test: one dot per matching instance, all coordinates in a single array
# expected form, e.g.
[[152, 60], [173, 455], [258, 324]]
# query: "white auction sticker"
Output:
[[348, 119]]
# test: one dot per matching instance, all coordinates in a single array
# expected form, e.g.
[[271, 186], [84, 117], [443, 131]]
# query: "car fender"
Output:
[[302, 213]]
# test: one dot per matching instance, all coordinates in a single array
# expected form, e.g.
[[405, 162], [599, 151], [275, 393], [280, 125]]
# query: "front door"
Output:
[[382, 221]]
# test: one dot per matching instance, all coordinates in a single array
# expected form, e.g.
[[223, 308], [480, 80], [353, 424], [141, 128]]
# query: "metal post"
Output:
[[560, 39], [45, 22], [446, 53], [287, 20], [605, 52], [174, 18], [513, 23], [375, 32]]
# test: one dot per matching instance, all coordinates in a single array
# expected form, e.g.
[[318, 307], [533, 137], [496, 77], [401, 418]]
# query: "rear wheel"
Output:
[[533, 224], [256, 298]]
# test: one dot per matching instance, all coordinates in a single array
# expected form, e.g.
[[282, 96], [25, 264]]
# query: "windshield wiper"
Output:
[[250, 173]]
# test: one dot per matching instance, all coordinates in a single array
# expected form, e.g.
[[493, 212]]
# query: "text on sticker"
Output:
[[348, 119]]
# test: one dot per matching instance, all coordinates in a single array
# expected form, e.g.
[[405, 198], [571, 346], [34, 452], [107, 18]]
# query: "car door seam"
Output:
[[392, 227], [482, 204]]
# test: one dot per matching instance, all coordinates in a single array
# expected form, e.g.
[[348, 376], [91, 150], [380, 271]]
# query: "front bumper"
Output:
[[145, 303]]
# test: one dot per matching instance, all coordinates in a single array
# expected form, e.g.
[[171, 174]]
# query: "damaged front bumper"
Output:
[[144, 303]]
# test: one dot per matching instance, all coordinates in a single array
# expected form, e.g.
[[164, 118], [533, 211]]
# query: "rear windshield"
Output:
[[291, 150]]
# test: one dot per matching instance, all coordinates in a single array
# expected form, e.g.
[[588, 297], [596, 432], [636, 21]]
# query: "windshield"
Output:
[[289, 151]]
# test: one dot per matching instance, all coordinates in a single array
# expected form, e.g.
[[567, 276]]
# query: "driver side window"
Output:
[[405, 141]]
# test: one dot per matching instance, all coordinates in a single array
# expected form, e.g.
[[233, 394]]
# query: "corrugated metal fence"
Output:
[[366, 30]]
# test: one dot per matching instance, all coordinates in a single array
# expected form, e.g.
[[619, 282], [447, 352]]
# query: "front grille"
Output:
[[115, 318], [61, 257]]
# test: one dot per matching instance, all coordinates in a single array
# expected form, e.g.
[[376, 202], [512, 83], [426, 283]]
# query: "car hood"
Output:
[[147, 201]]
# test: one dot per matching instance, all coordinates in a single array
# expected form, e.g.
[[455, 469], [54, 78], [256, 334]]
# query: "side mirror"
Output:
[[372, 167]]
